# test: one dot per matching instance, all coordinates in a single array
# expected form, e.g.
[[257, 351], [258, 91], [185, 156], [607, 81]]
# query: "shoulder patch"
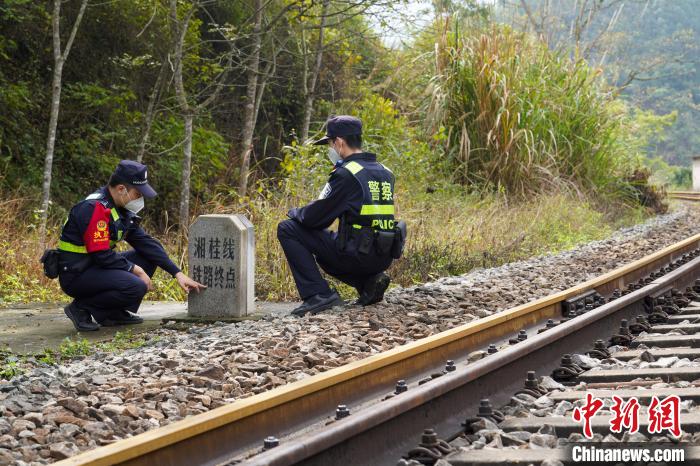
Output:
[[353, 167], [325, 191], [99, 197]]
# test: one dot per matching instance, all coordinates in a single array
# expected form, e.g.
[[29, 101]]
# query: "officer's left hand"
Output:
[[187, 284]]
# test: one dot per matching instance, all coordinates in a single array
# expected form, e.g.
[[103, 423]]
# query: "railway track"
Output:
[[376, 411], [660, 360]]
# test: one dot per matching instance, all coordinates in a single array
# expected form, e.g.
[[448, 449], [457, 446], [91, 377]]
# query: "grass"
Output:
[[12, 365], [521, 118], [22, 279], [453, 236], [449, 233], [9, 365]]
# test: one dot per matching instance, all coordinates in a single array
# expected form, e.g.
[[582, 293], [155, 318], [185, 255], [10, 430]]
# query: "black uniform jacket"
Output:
[[95, 225], [342, 194]]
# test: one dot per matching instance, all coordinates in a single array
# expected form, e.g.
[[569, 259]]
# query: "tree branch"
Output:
[[74, 31]]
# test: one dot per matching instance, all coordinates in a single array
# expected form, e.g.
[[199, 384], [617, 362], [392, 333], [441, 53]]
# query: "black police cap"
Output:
[[339, 126], [135, 174]]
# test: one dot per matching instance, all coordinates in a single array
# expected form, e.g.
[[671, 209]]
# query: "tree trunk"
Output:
[[269, 71], [179, 30], [59, 60], [311, 90], [151, 111], [251, 93], [50, 145], [186, 173]]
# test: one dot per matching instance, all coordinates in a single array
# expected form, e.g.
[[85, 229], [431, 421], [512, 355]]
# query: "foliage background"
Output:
[[503, 146]]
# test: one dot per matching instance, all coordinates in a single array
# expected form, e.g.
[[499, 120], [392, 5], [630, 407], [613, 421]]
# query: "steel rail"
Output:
[[215, 436]]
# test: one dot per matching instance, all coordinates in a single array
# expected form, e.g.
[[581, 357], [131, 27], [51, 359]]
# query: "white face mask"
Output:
[[135, 205], [333, 156]]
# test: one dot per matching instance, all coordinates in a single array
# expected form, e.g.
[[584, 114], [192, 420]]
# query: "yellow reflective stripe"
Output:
[[70, 247], [356, 226], [353, 167], [115, 217], [375, 209]]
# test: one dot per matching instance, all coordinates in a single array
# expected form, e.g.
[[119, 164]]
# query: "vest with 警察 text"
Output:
[[377, 182]]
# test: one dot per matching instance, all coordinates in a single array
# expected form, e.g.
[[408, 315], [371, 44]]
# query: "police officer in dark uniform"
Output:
[[105, 284], [359, 192]]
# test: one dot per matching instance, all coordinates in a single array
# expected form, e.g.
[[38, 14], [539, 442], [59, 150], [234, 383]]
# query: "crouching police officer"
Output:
[[359, 192], [105, 284]]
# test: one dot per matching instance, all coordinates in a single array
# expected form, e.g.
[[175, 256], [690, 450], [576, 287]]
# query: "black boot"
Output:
[[373, 289], [318, 303], [121, 317], [82, 321]]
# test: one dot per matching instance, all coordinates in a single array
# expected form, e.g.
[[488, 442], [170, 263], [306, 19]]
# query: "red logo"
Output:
[[662, 415], [665, 415], [625, 415], [586, 413]]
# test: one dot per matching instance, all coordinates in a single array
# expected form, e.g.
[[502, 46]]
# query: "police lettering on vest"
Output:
[[377, 183]]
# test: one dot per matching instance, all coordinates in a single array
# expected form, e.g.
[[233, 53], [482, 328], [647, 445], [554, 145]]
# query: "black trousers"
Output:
[[103, 292], [305, 248]]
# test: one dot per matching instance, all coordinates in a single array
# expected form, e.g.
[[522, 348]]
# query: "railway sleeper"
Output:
[[667, 341], [690, 353], [564, 426], [643, 396], [692, 318], [666, 374]]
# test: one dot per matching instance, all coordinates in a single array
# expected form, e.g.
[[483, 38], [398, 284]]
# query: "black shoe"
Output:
[[318, 303], [373, 289], [82, 321], [121, 317]]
